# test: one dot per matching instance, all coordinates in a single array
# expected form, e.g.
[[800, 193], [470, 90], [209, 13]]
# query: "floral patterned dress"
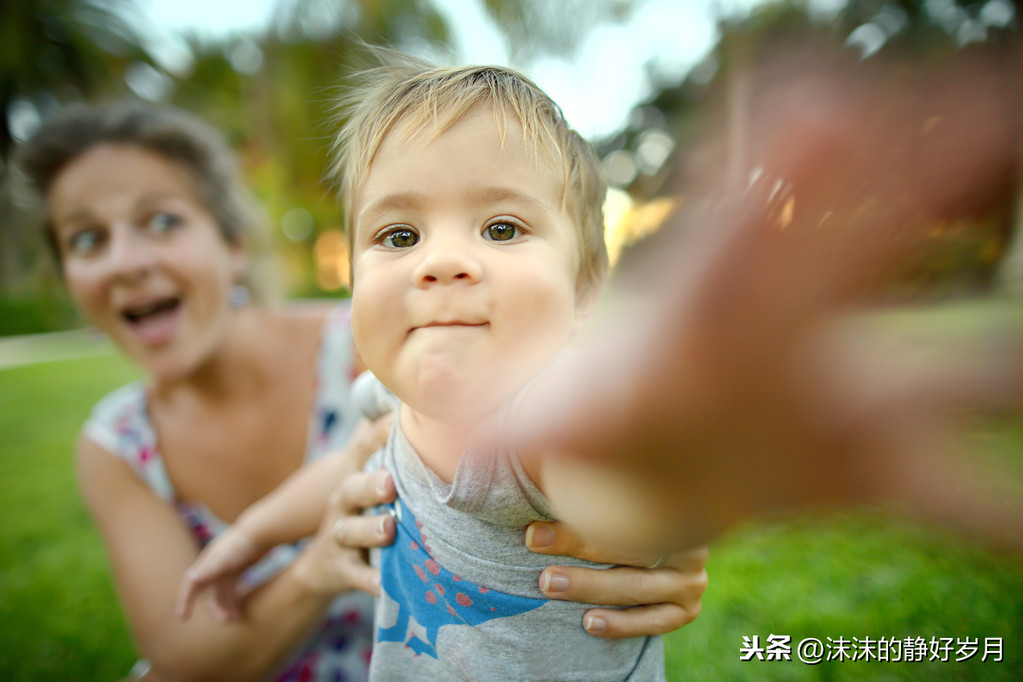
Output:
[[120, 423]]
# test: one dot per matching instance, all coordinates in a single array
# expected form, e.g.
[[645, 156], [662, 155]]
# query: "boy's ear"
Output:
[[586, 297]]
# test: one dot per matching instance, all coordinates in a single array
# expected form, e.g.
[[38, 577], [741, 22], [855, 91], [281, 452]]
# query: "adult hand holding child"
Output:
[[660, 592]]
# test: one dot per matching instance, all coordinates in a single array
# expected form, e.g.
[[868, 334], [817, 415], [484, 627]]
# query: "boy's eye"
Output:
[[401, 238], [162, 222], [84, 242], [500, 232]]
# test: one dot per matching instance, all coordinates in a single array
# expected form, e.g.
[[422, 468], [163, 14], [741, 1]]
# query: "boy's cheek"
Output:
[[371, 271]]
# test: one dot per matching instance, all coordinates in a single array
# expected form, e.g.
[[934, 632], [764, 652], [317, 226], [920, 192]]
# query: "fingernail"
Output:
[[539, 536], [382, 480], [554, 582], [595, 624], [382, 525]]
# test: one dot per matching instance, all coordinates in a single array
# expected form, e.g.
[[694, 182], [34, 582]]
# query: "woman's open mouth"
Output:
[[155, 321]]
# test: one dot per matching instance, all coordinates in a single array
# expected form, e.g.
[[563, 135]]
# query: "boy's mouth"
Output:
[[453, 324]]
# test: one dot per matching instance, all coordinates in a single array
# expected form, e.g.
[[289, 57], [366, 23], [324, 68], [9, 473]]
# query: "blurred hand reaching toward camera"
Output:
[[742, 390]]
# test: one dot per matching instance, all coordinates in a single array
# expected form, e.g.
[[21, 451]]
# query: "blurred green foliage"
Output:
[[851, 576], [34, 314]]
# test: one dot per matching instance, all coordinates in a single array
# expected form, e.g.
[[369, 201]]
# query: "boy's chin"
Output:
[[457, 408], [454, 394]]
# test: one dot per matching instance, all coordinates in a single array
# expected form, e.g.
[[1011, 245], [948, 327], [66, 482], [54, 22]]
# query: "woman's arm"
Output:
[[291, 512], [150, 549], [295, 508]]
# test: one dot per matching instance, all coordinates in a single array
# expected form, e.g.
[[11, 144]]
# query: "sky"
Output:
[[597, 87]]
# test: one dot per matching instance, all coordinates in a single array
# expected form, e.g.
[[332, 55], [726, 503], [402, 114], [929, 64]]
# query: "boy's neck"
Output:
[[439, 444]]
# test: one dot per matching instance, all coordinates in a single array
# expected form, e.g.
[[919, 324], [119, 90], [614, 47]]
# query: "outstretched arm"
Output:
[[745, 392]]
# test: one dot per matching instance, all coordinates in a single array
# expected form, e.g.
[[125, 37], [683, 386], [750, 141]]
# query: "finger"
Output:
[[936, 482], [361, 490], [192, 583], [368, 437], [986, 376], [638, 621], [185, 601], [559, 539], [362, 576], [359, 532], [624, 586], [381, 429], [226, 601], [691, 561], [214, 564]]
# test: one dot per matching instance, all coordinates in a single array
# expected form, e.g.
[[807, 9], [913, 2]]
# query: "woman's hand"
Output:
[[293, 511], [219, 568], [335, 560], [662, 593]]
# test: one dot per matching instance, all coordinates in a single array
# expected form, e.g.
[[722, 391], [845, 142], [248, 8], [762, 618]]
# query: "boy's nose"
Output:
[[447, 266]]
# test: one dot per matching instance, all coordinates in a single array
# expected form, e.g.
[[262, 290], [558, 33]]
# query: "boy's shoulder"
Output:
[[371, 397]]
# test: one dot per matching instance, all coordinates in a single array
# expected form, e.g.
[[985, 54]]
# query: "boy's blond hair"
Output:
[[403, 94]]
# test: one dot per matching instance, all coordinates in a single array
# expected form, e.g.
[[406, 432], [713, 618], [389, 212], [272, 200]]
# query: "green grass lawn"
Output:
[[59, 618], [863, 575]]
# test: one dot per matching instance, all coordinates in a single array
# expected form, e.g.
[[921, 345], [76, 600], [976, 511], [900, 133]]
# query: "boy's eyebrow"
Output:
[[482, 193], [493, 194], [396, 201]]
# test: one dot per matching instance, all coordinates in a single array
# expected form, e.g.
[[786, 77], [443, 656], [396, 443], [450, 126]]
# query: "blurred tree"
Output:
[[537, 27], [285, 123], [55, 50], [52, 51], [706, 114]]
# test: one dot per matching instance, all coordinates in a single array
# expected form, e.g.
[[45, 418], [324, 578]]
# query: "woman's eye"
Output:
[[401, 238], [161, 223], [84, 242], [500, 232]]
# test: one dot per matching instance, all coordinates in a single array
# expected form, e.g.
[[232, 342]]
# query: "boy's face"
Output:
[[464, 266]]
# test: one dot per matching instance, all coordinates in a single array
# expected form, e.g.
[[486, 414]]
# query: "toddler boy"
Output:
[[476, 237]]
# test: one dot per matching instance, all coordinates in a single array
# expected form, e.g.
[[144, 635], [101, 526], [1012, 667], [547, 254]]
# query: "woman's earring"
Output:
[[239, 295]]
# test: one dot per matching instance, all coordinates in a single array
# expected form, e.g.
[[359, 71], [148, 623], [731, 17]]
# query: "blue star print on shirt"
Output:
[[430, 594]]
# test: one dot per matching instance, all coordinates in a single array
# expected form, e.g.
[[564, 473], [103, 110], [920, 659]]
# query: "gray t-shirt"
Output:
[[460, 595]]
